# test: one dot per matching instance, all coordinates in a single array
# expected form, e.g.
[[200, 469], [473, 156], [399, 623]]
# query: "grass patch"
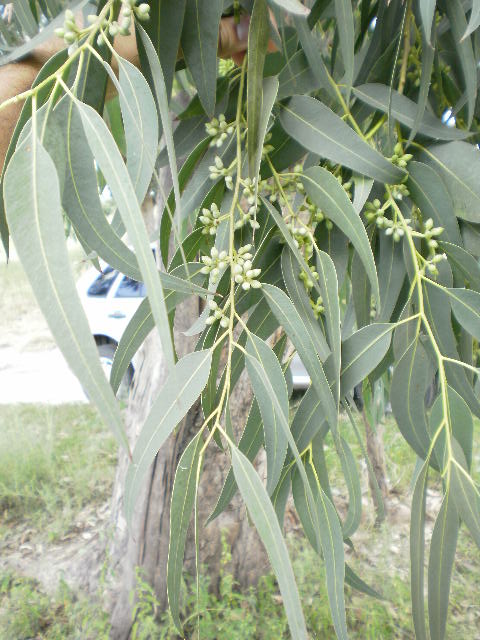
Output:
[[53, 461], [56, 460]]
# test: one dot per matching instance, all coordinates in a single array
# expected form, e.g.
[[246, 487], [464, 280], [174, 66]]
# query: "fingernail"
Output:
[[242, 28]]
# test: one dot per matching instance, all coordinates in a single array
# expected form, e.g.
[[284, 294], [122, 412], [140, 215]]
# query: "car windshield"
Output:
[[129, 288], [101, 285]]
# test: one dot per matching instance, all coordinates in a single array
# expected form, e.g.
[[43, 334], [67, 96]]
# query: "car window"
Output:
[[129, 288], [102, 284]]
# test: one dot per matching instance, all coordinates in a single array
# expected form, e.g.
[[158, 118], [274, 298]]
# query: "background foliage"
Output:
[[328, 188]]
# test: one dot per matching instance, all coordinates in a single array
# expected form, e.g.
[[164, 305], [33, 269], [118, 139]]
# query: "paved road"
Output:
[[37, 376]]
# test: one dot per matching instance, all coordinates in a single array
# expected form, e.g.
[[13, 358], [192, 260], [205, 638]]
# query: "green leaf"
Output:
[[169, 209], [270, 90], [440, 565], [250, 441], [417, 552], [111, 164], [428, 59], [464, 262], [183, 499], [308, 421], [263, 515], [140, 121], [427, 12], [52, 65], [320, 130], [354, 581], [329, 286], [297, 77], [404, 111], [334, 557], [161, 96], [458, 163], [301, 301], [465, 53], [411, 377], [474, 21], [164, 29], [432, 198], [465, 494], [275, 440], [352, 478], [32, 202], [295, 7], [466, 307], [316, 65], [437, 302], [329, 195], [287, 236], [249, 444], [363, 188], [335, 244], [327, 525], [346, 32], [199, 45], [177, 289], [80, 198], [362, 352], [391, 266], [258, 36], [188, 134], [296, 330], [182, 387]]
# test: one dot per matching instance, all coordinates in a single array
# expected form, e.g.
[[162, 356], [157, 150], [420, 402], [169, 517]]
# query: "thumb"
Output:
[[233, 37]]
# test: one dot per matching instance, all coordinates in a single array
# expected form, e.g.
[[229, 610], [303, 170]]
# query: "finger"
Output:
[[233, 37]]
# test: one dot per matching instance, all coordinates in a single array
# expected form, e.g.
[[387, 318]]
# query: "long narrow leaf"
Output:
[[108, 157], [32, 200], [182, 387]]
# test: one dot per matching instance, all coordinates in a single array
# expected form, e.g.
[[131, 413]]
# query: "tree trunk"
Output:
[[147, 547]]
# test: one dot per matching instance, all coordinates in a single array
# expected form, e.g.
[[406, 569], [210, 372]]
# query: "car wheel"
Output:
[[106, 352]]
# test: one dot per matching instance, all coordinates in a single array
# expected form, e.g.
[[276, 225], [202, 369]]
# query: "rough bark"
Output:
[[147, 547]]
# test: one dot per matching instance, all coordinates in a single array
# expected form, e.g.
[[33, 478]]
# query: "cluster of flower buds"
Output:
[[317, 307], [399, 191], [249, 187], [218, 314], [430, 233], [302, 236], [394, 229], [431, 265], [374, 212], [70, 31], [215, 263], [242, 269], [399, 158], [122, 27], [210, 219], [247, 216], [219, 130], [217, 170], [306, 278]]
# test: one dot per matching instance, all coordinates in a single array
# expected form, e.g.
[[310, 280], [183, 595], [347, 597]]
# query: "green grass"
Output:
[[53, 461], [56, 460]]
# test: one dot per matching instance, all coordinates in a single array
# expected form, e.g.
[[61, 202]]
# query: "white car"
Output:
[[110, 299]]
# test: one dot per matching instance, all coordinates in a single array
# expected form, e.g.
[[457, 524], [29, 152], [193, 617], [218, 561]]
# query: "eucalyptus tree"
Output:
[[330, 190]]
